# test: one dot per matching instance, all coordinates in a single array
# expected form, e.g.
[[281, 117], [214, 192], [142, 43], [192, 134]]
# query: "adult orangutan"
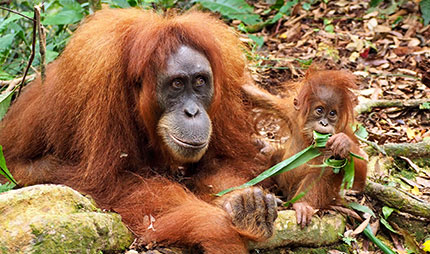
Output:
[[144, 113], [323, 103]]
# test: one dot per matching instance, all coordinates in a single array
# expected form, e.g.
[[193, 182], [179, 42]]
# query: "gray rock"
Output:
[[57, 219]]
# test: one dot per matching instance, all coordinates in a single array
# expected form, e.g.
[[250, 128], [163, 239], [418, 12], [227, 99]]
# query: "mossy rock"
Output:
[[57, 219], [325, 230]]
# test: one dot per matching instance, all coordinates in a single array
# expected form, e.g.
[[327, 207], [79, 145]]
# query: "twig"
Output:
[[20, 14], [392, 197], [411, 150], [95, 5], [33, 49], [367, 106], [372, 144], [14, 82], [42, 41]]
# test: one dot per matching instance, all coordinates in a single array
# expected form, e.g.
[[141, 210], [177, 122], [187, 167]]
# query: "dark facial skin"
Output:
[[184, 94], [323, 115]]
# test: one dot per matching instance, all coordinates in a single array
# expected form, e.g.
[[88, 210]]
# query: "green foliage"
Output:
[[5, 100], [368, 232], [425, 10], [425, 105], [387, 211], [328, 26], [258, 40], [233, 9], [374, 3], [3, 168], [348, 239], [361, 208], [360, 131], [301, 158], [60, 18], [6, 187]]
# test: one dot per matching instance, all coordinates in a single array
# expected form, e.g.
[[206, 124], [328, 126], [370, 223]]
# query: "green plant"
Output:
[[303, 157], [425, 11]]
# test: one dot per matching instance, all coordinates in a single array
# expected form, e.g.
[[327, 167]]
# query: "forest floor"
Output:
[[388, 50]]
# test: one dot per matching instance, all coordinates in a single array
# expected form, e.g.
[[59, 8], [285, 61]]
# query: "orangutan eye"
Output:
[[333, 113], [319, 110], [200, 81], [177, 84]]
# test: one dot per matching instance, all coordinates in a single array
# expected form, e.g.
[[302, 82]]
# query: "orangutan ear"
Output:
[[296, 104]]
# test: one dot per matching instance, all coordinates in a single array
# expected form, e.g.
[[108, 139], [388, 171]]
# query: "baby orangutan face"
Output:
[[323, 111]]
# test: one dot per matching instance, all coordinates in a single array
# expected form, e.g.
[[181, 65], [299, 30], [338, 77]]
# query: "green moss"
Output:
[[81, 233], [56, 219]]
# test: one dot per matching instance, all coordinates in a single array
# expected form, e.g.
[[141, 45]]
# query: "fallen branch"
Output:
[[394, 198], [369, 105], [411, 150], [11, 84]]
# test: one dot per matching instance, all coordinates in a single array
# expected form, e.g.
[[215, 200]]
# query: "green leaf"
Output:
[[259, 40], [6, 41], [306, 6], [6, 187], [299, 159], [425, 11], [368, 232], [72, 5], [329, 28], [286, 9], [3, 168], [374, 3], [64, 17], [121, 3], [295, 199], [361, 208], [294, 161], [387, 211], [51, 55], [360, 131], [335, 163], [348, 177], [387, 225], [425, 105], [4, 24], [320, 139], [5, 100], [233, 9], [5, 76]]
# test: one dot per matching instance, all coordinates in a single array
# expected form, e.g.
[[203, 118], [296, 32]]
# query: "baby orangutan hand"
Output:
[[304, 213], [340, 145]]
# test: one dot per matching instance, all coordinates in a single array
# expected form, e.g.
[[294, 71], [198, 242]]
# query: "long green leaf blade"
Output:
[[5, 100], [348, 177], [368, 232], [294, 161], [3, 168]]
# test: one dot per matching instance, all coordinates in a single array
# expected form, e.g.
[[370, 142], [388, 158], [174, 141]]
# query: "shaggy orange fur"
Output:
[[92, 125], [331, 89]]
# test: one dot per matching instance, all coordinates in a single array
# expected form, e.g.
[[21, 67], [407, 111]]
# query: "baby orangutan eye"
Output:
[[319, 110]]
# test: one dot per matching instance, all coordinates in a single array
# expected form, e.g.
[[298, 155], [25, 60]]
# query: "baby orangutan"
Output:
[[323, 103]]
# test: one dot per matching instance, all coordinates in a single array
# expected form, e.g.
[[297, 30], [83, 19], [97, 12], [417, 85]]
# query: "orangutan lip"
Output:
[[188, 145]]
